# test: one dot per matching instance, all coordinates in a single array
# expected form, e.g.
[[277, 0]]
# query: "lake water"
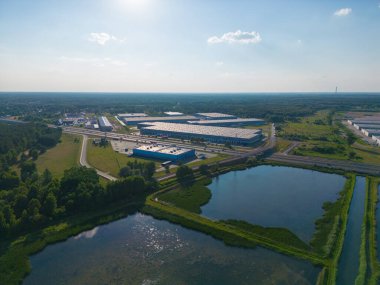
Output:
[[378, 223], [274, 196], [142, 250], [349, 260]]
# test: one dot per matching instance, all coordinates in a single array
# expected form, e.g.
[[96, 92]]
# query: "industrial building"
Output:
[[229, 122], [170, 119], [164, 152], [220, 135], [214, 116], [371, 132], [131, 115], [173, 113], [369, 126], [104, 124]]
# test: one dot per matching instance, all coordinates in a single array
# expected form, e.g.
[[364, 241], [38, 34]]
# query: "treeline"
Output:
[[17, 138], [273, 107], [33, 200]]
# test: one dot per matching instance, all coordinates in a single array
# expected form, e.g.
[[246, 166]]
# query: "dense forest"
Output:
[[15, 139], [273, 107]]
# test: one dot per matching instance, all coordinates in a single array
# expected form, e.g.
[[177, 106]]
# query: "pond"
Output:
[[142, 250], [273, 196]]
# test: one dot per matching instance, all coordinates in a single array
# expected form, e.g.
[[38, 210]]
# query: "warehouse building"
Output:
[[369, 126], [376, 139], [169, 119], [229, 122], [214, 116], [132, 115], [104, 124], [370, 132], [164, 152], [220, 135], [173, 113]]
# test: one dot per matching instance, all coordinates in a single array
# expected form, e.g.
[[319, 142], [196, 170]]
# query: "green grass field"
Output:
[[61, 157], [108, 160], [322, 135], [189, 198]]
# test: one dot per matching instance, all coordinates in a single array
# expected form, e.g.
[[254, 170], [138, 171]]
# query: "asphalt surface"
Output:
[[358, 167]]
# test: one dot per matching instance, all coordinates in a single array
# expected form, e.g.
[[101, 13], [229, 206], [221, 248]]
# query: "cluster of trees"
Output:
[[185, 175], [32, 200], [138, 168], [16, 138]]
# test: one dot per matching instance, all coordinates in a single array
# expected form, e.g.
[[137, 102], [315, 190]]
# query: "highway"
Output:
[[83, 161], [358, 167]]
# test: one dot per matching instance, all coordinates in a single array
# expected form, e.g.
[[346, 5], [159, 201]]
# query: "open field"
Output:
[[108, 160], [323, 135], [63, 156]]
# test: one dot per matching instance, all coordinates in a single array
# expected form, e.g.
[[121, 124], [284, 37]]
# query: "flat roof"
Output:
[[204, 130], [369, 126], [164, 149], [132, 115], [170, 113], [238, 120], [103, 122], [167, 118], [373, 131], [215, 115]]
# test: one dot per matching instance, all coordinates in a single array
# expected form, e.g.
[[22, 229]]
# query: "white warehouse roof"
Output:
[[238, 120], [215, 115], [132, 115], [203, 130], [103, 122], [173, 113]]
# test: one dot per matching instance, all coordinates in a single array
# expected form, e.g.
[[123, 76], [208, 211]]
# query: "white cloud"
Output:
[[343, 12], [103, 38], [236, 37], [219, 63]]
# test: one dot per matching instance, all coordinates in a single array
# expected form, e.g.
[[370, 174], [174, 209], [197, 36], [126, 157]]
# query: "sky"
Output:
[[190, 45]]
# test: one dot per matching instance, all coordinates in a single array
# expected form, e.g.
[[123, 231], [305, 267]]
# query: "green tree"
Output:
[[28, 168], [33, 154], [185, 175], [125, 171], [50, 205], [204, 169]]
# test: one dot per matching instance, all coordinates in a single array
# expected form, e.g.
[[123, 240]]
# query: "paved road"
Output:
[[83, 161], [358, 167]]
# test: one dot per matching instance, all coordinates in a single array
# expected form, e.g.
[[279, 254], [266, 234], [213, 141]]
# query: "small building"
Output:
[[104, 124], [166, 153]]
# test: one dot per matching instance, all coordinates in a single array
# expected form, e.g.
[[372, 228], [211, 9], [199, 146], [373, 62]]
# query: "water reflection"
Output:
[[142, 250], [274, 197], [87, 234]]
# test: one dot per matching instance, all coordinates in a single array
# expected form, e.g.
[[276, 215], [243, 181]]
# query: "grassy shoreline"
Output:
[[14, 259]]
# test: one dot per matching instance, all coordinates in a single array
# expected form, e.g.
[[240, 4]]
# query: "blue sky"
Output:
[[189, 46]]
